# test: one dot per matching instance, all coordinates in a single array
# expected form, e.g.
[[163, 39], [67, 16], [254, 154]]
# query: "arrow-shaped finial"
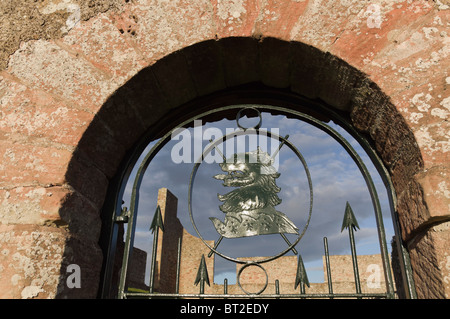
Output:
[[301, 277], [157, 220], [202, 274], [349, 218]]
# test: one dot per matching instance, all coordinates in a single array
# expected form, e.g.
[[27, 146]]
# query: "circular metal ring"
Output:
[[239, 275], [238, 117], [194, 172]]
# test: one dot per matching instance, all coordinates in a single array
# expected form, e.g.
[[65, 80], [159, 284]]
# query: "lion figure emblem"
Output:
[[250, 208]]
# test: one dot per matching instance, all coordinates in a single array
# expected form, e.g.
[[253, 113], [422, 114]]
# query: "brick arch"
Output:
[[84, 99]]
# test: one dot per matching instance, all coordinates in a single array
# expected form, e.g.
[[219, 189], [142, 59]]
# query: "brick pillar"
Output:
[[166, 258]]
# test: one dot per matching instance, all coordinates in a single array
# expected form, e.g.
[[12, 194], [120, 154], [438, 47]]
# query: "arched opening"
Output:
[[232, 71], [250, 95]]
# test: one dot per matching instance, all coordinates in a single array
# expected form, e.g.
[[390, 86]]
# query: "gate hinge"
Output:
[[123, 217]]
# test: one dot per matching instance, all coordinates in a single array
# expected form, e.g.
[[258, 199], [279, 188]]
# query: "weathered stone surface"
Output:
[[51, 206], [206, 68], [166, 27], [143, 94], [87, 179], [323, 24], [100, 147], [28, 20], [373, 23], [434, 142], [25, 205], [412, 210], [436, 191], [32, 112], [430, 262], [31, 258], [275, 62], [277, 18], [24, 164], [235, 18], [88, 257], [56, 128], [174, 78], [102, 44], [46, 66], [240, 60]]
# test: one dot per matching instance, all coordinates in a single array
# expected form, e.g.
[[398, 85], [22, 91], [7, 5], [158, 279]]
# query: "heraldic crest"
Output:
[[250, 208]]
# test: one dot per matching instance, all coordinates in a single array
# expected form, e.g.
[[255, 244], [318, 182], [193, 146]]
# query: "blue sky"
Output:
[[335, 178]]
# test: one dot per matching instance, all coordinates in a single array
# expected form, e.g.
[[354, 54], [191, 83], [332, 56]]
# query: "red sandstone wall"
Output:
[[53, 87]]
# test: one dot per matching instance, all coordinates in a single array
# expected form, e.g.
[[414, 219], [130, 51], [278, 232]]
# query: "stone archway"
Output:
[[84, 101]]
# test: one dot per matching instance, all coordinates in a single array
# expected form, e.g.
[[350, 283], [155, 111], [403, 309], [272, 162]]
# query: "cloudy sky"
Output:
[[335, 179]]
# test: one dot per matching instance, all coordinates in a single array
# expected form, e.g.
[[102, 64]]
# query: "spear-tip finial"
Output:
[[349, 218]]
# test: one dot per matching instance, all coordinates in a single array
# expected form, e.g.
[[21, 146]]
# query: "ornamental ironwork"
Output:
[[249, 208]]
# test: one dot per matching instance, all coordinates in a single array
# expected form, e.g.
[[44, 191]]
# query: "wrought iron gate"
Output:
[[249, 210]]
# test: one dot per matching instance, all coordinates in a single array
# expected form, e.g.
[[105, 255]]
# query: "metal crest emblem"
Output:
[[250, 208]]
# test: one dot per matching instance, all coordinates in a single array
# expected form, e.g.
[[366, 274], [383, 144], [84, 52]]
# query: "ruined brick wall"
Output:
[[76, 95], [252, 279]]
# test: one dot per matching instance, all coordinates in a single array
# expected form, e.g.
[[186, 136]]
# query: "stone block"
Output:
[[205, 65], [336, 81], [436, 191], [240, 60], [235, 18], [99, 145], [36, 205], [144, 94], [277, 18], [434, 143], [80, 217], [307, 69], [101, 43], [85, 257], [367, 34], [122, 119], [35, 113], [86, 178], [412, 210], [46, 66], [51, 206], [25, 164], [323, 23], [166, 28], [174, 78], [368, 100], [275, 62], [430, 262]]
